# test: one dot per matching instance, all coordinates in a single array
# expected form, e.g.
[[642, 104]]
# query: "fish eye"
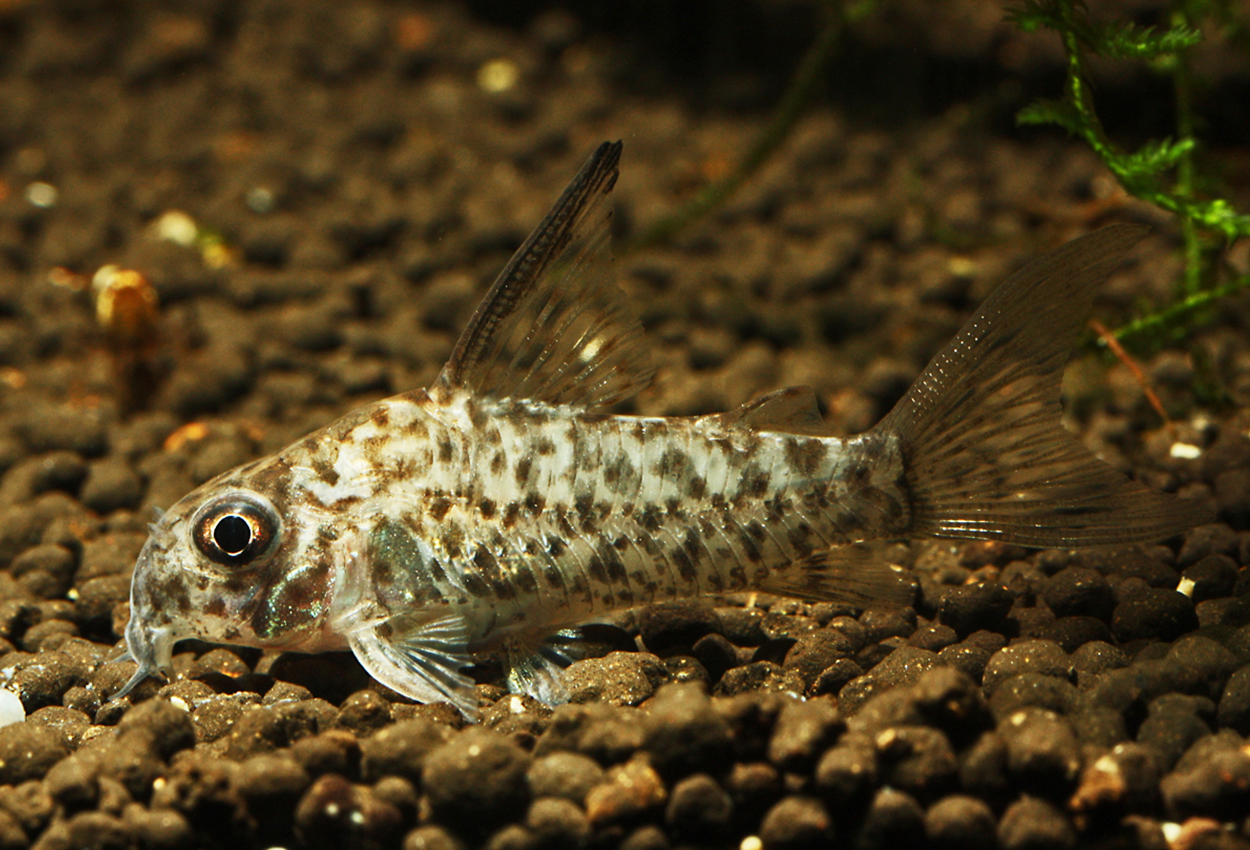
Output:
[[236, 530]]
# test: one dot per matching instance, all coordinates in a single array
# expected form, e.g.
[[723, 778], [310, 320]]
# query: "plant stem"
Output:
[[1158, 322], [1182, 85], [789, 109]]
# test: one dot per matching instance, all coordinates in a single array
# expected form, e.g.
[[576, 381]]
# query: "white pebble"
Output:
[[1185, 451], [11, 708]]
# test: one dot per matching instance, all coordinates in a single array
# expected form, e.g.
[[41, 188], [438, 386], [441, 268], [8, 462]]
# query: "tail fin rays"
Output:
[[986, 455]]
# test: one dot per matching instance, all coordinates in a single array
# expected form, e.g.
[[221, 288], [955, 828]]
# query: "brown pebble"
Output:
[[796, 823], [400, 749], [628, 791], [334, 813]]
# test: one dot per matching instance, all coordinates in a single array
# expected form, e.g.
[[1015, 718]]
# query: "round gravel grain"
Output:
[[893, 819], [1150, 612], [1042, 657], [674, 627], [364, 713], [1212, 577], [28, 751], [960, 822], [804, 730], [398, 750], [1234, 707], [684, 734], [1079, 592], [334, 813], [1043, 755], [558, 823], [814, 653], [432, 838], [970, 608], [698, 808], [566, 775], [477, 777], [1071, 633], [1034, 824], [796, 823], [1212, 779]]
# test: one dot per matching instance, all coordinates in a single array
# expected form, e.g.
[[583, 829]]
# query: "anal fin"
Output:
[[856, 575], [421, 660]]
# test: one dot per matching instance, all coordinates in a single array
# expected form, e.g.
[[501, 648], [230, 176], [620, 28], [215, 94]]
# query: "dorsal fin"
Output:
[[554, 327], [792, 410]]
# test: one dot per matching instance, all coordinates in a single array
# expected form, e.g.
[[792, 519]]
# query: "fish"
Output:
[[506, 504]]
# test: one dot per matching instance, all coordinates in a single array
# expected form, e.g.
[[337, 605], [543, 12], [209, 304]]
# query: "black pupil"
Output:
[[232, 534]]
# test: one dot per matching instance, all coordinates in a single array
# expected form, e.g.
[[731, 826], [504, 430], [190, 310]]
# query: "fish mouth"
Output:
[[151, 648]]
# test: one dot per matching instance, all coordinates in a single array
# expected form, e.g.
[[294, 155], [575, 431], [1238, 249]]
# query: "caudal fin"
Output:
[[985, 453]]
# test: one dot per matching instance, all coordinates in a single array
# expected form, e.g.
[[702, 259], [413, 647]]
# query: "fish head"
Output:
[[226, 565]]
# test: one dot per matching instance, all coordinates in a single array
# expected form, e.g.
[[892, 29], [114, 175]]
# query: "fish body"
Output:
[[502, 505]]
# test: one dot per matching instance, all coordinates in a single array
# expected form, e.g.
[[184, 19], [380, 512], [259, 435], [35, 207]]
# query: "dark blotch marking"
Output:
[[597, 568], [475, 585], [544, 446], [453, 539], [523, 467], [486, 508], [488, 566], [511, 512], [750, 547], [381, 416], [477, 417], [805, 455], [696, 487], [171, 593], [616, 567], [579, 585], [685, 567], [497, 462], [272, 476], [325, 469], [799, 536], [584, 506], [674, 465], [534, 504], [525, 580], [439, 508], [446, 450], [650, 517], [692, 545]]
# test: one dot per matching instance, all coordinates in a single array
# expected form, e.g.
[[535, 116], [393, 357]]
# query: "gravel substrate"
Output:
[[358, 174]]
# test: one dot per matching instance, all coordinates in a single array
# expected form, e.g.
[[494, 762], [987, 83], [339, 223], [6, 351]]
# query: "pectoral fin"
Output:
[[421, 660]]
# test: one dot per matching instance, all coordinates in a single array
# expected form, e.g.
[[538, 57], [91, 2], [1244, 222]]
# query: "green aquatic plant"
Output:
[[838, 15], [1162, 172]]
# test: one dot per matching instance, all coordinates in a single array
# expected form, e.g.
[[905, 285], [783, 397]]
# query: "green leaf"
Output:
[[1049, 111], [1157, 156], [1130, 41], [1034, 15]]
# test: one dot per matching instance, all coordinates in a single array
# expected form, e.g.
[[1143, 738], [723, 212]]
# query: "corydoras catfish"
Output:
[[502, 505]]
